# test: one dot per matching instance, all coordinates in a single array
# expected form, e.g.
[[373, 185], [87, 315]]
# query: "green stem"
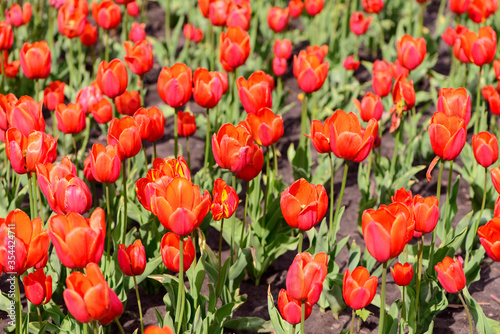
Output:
[[176, 136], [332, 188], [419, 276], [247, 195], [353, 318], [188, 152], [397, 139], [106, 45], [96, 328], [180, 295], [403, 312], [233, 184], [207, 139], [291, 329], [32, 197], [141, 91], [125, 26], [37, 88], [477, 124], [448, 191], [71, 65], [234, 108], [275, 162], [138, 304], [442, 5], [76, 152], [438, 195], [85, 329], [219, 281], [303, 123], [211, 38], [267, 188], [476, 225], [154, 151], [339, 200], [382, 300], [382, 37], [54, 129], [467, 311], [145, 154], [109, 234], [19, 307], [301, 241], [421, 19], [124, 185], [35, 186], [302, 316]]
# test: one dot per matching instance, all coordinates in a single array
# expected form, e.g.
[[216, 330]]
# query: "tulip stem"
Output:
[[138, 305], [476, 225], [403, 311], [167, 21], [275, 161], [154, 152], [448, 190], [176, 135], [188, 152], [37, 88], [477, 124], [419, 276], [291, 329], [397, 139], [207, 139], [32, 198], [124, 185], [247, 195], [106, 45], [76, 153], [332, 188], [382, 300], [109, 235], [35, 186], [220, 247], [234, 106], [145, 154], [339, 200], [301, 241], [421, 19], [180, 295], [268, 184], [438, 195], [353, 318], [302, 314], [303, 125], [19, 309], [466, 311], [40, 320]]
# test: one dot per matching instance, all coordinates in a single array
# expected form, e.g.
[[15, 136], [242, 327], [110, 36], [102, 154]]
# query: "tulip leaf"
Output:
[[249, 324], [480, 320], [276, 319], [363, 314], [473, 268]]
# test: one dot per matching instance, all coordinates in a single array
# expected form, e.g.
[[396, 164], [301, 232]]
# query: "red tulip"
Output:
[[158, 330], [347, 141], [106, 14], [278, 18], [290, 308], [218, 12], [370, 107], [170, 252], [35, 60], [495, 177], [139, 58], [137, 32], [87, 170], [70, 118], [255, 93], [447, 135], [25, 115], [234, 48], [175, 85], [314, 7], [112, 77], [304, 204], [88, 96], [283, 48], [186, 124], [372, 6], [105, 163], [359, 23], [296, 7], [225, 200], [398, 70], [38, 287], [192, 33], [132, 259], [455, 102], [30, 240], [279, 66], [496, 68], [493, 98], [304, 280], [382, 78], [223, 78], [489, 235], [239, 14], [70, 21], [310, 72], [133, 9], [125, 135], [480, 10], [451, 274], [64, 190], [128, 102], [81, 5], [5, 101], [426, 213], [265, 126], [17, 16], [89, 298], [102, 111], [359, 288], [485, 148], [350, 64], [234, 149], [387, 230], [403, 91], [180, 206], [402, 273], [53, 95], [451, 35], [459, 6], [208, 89], [476, 48], [411, 52], [25, 153], [6, 36], [320, 135], [151, 123]]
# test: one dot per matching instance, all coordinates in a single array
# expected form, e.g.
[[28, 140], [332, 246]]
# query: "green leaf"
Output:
[[481, 321], [276, 320], [250, 324]]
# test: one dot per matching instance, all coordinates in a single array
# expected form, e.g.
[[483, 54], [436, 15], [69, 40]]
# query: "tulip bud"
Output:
[[128, 103], [489, 236], [132, 259], [38, 287], [296, 7], [170, 252], [137, 32], [304, 280], [175, 85], [139, 57], [35, 60], [102, 111], [314, 7], [359, 24], [234, 48], [350, 64], [70, 118], [112, 78], [290, 308], [485, 148], [125, 135], [359, 288], [402, 274], [186, 124], [451, 274], [151, 123], [207, 90], [105, 163], [225, 200], [370, 107], [426, 213], [411, 52], [53, 95], [278, 18], [106, 14]]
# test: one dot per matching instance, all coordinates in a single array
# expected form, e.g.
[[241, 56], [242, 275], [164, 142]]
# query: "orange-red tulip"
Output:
[[105, 163], [290, 308], [53, 95], [151, 123], [137, 32], [133, 9], [112, 78], [87, 170], [128, 103], [279, 66], [225, 200], [158, 330], [455, 102], [89, 35], [359, 288], [350, 64], [81, 5], [319, 51], [387, 230], [70, 21], [448, 135], [186, 124], [6, 36], [239, 14], [314, 7], [218, 12], [106, 14], [10, 69], [304, 204], [485, 148], [495, 177], [30, 240], [283, 48], [17, 16], [459, 6], [347, 141], [25, 153], [451, 274], [25, 115], [370, 107], [398, 70], [359, 24], [402, 273], [132, 259], [493, 98], [5, 100], [70, 118], [304, 280], [102, 111], [278, 18], [89, 298], [180, 206], [296, 7], [35, 60], [139, 57], [208, 89], [411, 52], [170, 252], [320, 135], [426, 211], [480, 10], [372, 6], [382, 78], [265, 126], [175, 85], [234, 48], [124, 133], [88, 96], [451, 35], [476, 48], [192, 33], [489, 235], [309, 71], [404, 91], [255, 93], [225, 83], [38, 287]]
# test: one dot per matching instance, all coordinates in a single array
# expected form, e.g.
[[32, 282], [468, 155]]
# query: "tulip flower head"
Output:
[[382, 78], [225, 200], [279, 66], [477, 48], [35, 60], [175, 85], [70, 118], [208, 88], [265, 126], [151, 123], [359, 24], [71, 21], [451, 274], [6, 36], [320, 135], [102, 111], [139, 57], [493, 98], [170, 252], [132, 259], [234, 48], [290, 308], [16, 16], [112, 78], [314, 7], [426, 213], [372, 6], [370, 107], [256, 92], [53, 95], [402, 273], [105, 163], [480, 10], [359, 288], [455, 102], [305, 277], [309, 71], [283, 48], [88, 96], [106, 14], [186, 123], [124, 133], [411, 52], [489, 236], [350, 64], [38, 287], [192, 33], [239, 14], [128, 103], [459, 6], [278, 18], [158, 330], [485, 148], [25, 115], [137, 32], [296, 7]]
